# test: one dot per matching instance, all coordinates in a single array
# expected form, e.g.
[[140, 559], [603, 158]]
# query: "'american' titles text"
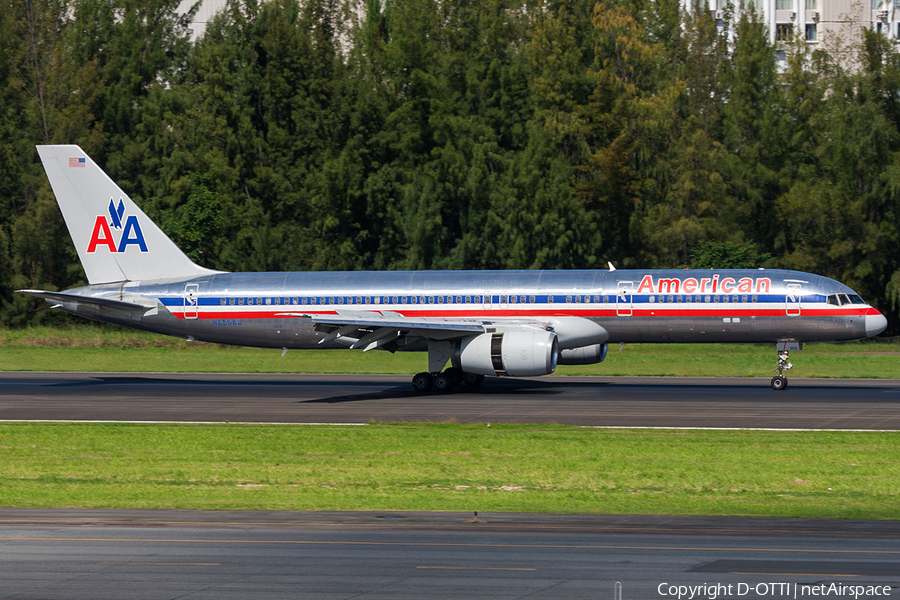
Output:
[[704, 285]]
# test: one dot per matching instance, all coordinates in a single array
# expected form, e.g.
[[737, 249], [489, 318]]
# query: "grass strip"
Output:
[[450, 467], [120, 350]]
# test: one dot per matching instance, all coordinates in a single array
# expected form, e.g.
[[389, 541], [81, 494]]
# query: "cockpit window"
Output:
[[844, 299]]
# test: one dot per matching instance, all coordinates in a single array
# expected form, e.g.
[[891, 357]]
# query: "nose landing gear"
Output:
[[779, 382]]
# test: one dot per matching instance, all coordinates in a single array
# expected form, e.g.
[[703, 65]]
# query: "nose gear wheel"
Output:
[[779, 382]]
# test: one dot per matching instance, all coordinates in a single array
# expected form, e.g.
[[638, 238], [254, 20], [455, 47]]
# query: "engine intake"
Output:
[[525, 353]]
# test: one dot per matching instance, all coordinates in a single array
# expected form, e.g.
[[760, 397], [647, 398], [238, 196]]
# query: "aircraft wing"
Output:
[[58, 298], [370, 330]]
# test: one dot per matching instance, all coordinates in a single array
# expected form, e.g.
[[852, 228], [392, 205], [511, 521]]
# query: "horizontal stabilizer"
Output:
[[61, 297]]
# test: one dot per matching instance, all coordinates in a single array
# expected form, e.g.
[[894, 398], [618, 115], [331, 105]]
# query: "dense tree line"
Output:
[[453, 134]]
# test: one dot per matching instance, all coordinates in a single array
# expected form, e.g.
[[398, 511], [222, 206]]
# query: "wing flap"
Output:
[[392, 320]]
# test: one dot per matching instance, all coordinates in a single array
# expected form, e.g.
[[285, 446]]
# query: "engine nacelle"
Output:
[[575, 332], [586, 355], [524, 353]]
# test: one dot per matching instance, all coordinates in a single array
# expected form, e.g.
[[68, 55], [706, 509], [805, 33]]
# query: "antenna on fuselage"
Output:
[[611, 267]]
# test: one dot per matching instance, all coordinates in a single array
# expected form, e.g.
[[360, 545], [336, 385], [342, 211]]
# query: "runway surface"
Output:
[[590, 401], [150, 555]]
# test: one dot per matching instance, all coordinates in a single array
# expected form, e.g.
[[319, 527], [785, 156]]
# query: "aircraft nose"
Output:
[[875, 323]]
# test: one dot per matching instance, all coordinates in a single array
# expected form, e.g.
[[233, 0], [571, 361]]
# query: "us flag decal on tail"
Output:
[[76, 162]]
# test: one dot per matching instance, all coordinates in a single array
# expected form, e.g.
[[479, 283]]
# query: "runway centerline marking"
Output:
[[163, 563], [796, 574], [446, 545], [480, 568]]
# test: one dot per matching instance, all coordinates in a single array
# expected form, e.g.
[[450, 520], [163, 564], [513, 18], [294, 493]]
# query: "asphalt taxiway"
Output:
[[123, 555], [586, 401]]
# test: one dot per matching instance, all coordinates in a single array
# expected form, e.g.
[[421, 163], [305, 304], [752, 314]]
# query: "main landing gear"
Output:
[[779, 382], [444, 381]]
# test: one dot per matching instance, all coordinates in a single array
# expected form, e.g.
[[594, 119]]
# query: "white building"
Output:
[[208, 9], [835, 25]]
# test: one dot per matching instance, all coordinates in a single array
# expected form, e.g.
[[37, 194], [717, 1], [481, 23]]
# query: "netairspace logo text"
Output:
[[712, 591]]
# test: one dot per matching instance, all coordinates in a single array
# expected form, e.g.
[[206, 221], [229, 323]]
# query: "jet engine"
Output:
[[586, 355], [519, 353]]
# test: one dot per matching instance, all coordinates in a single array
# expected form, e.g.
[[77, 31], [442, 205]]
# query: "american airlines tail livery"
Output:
[[483, 323]]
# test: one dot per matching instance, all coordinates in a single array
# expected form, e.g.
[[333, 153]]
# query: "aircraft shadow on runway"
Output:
[[610, 391], [520, 388]]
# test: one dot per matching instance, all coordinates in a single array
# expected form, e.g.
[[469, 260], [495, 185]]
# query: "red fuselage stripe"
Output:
[[213, 313]]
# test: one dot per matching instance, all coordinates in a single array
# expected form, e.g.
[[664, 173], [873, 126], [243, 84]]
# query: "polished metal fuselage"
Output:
[[672, 306]]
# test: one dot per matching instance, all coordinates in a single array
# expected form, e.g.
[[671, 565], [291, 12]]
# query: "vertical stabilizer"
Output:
[[115, 240]]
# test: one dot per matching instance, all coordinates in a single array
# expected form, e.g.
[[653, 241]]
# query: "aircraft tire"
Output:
[[422, 382], [779, 382], [472, 379], [442, 383], [455, 375]]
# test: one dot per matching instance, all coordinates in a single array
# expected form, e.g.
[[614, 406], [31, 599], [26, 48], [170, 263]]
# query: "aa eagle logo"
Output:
[[131, 234]]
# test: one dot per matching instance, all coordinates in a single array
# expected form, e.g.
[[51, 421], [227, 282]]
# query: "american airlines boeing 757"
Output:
[[483, 323]]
